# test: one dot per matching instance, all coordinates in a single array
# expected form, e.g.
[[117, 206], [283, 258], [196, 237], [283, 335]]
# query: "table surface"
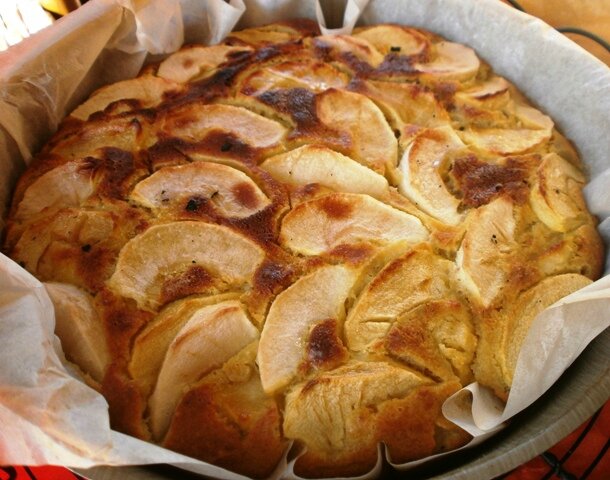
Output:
[[583, 454]]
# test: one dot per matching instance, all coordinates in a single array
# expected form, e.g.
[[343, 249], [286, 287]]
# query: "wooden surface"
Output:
[[590, 15]]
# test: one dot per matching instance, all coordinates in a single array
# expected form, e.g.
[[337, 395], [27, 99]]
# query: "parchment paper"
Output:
[[50, 417]]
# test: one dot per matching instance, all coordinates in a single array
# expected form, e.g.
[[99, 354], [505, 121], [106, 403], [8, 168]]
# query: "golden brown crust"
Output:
[[355, 227]]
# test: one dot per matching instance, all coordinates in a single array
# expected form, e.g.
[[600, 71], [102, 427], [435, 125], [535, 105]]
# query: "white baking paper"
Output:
[[50, 417]]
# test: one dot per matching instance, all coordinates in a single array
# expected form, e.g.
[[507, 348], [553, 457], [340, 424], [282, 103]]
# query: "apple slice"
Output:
[[317, 164], [505, 141], [68, 185], [437, 338], [127, 134], [394, 39], [533, 129], [310, 301], [421, 167], [211, 336], [231, 191], [483, 257], [195, 62], [451, 61], [315, 76], [487, 92], [414, 278], [556, 196], [150, 346], [319, 225], [501, 334], [274, 33], [533, 118], [194, 121], [356, 46], [529, 305], [147, 90], [340, 413], [147, 258], [404, 103], [373, 143], [68, 225], [80, 329]]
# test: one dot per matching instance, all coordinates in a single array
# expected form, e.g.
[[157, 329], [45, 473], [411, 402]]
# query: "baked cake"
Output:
[[298, 239]]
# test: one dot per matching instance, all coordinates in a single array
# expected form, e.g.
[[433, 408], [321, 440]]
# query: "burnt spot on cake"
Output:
[[481, 182], [196, 279], [353, 254], [325, 350], [336, 207], [166, 152], [272, 277], [395, 64], [245, 194], [219, 143], [357, 65], [113, 171], [405, 338], [299, 103], [261, 226]]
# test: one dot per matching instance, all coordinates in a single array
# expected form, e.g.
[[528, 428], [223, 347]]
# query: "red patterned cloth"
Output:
[[581, 455], [37, 473]]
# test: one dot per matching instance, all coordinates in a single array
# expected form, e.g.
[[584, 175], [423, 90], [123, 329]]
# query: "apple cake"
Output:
[[296, 240]]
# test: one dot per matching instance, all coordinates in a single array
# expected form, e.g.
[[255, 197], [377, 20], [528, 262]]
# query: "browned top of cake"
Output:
[[291, 236]]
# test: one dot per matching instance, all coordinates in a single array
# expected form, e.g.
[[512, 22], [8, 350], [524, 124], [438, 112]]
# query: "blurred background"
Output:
[[587, 22], [21, 18]]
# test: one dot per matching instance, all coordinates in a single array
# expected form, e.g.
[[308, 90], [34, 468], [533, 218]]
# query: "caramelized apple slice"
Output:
[[393, 39], [321, 224], [231, 191], [310, 301], [65, 186], [420, 272], [316, 76], [451, 61], [316, 164], [80, 329], [483, 257], [147, 91], [360, 48], [372, 140], [556, 196], [196, 61], [421, 168], [196, 120], [211, 337], [404, 103], [163, 249]]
